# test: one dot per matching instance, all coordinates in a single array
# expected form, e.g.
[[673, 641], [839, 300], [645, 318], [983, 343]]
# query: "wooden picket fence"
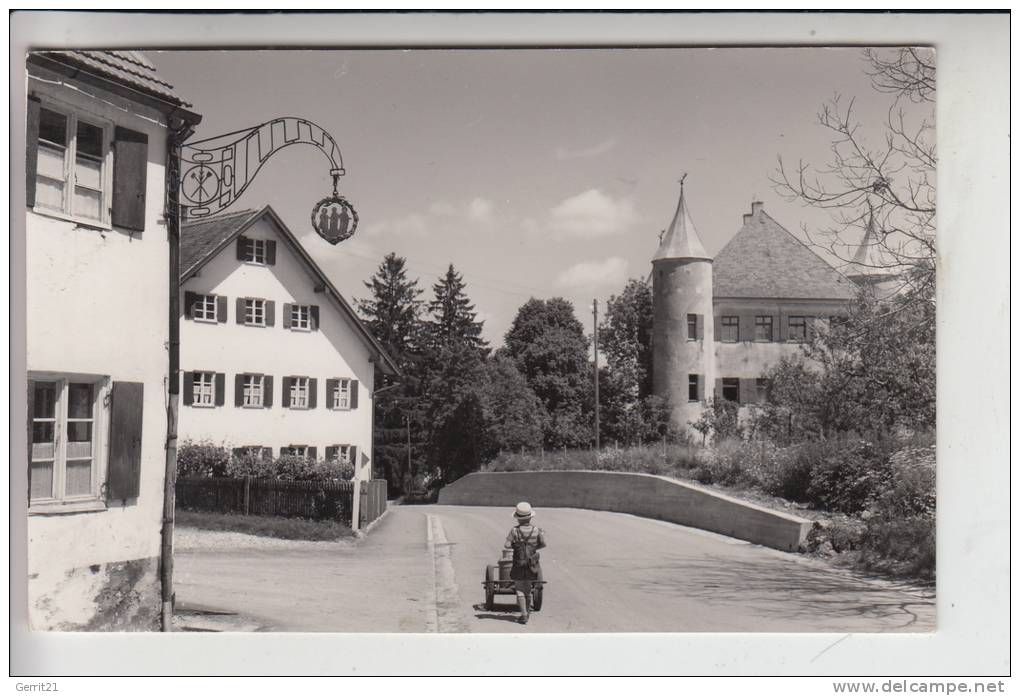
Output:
[[316, 500]]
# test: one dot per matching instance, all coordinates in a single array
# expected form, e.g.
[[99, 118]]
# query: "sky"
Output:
[[536, 173]]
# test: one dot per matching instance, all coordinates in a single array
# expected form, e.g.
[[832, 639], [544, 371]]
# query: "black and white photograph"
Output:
[[488, 340]]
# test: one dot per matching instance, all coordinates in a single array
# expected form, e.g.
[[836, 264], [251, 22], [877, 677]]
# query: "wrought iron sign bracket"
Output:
[[216, 171]]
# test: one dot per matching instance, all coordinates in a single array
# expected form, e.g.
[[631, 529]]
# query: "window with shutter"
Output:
[[69, 160]]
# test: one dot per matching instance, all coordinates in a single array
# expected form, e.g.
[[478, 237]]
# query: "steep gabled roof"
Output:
[[681, 240], [202, 241], [764, 260]]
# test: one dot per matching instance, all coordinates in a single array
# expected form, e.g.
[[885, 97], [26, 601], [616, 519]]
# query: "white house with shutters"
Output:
[[274, 359], [97, 298]]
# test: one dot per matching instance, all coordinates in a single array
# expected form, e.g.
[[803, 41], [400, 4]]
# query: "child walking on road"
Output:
[[525, 540]]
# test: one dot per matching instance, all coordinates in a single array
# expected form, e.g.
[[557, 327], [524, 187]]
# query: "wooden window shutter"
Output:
[[717, 326], [31, 410], [242, 244], [354, 394], [747, 326], [354, 456], [330, 388], [270, 252], [240, 310], [331, 453], [31, 150], [188, 397], [221, 309], [746, 389], [701, 387], [701, 327], [313, 453], [285, 396], [314, 317], [286, 315], [238, 390], [718, 388], [312, 388], [130, 161], [267, 391], [189, 304], [221, 388], [270, 312], [125, 465]]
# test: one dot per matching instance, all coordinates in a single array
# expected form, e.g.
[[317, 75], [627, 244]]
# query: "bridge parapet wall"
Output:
[[645, 495]]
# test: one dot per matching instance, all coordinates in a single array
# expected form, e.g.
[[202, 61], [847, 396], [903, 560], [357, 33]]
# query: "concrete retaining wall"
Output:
[[645, 495]]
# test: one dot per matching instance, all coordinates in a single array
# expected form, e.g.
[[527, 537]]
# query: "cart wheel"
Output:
[[536, 598], [490, 588]]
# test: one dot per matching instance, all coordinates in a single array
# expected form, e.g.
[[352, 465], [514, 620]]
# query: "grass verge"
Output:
[[257, 525]]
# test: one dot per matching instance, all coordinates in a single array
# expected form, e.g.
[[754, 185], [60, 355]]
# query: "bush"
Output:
[[848, 474], [202, 458], [671, 460], [898, 545]]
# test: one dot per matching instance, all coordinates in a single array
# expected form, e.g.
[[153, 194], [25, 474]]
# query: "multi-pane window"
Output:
[[343, 454], [204, 389], [342, 394], [204, 308], [255, 312], [763, 328], [71, 167], [731, 389], [692, 387], [299, 392], [301, 317], [296, 450], [253, 390], [63, 464], [692, 327], [797, 328], [255, 251], [730, 329]]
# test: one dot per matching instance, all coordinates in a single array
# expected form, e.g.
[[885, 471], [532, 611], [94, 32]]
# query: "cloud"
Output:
[[477, 210], [612, 271], [602, 148], [592, 214], [414, 224]]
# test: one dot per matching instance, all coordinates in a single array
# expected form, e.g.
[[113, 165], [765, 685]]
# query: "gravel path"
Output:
[[192, 539]]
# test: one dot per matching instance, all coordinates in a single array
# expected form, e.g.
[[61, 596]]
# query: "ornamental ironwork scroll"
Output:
[[216, 171]]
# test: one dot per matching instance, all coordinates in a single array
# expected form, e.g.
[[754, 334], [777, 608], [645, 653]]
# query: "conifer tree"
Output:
[[453, 316], [393, 315]]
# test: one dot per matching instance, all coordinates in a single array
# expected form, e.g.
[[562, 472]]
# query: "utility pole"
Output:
[[595, 335]]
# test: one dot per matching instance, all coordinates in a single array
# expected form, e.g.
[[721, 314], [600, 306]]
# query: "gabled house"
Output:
[[274, 359], [97, 261]]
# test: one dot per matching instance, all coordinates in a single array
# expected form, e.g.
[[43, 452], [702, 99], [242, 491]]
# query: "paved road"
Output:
[[421, 569]]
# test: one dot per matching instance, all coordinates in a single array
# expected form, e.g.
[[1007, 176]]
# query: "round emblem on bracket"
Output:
[[334, 219], [200, 184]]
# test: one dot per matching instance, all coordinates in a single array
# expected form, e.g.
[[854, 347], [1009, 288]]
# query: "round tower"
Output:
[[683, 350]]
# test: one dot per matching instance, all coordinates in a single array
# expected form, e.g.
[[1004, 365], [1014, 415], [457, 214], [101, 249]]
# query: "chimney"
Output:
[[755, 209]]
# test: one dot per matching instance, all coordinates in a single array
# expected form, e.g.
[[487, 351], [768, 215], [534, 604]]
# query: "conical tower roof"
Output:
[[681, 240], [866, 261]]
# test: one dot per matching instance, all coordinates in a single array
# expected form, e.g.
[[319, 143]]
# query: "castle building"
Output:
[[720, 324]]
